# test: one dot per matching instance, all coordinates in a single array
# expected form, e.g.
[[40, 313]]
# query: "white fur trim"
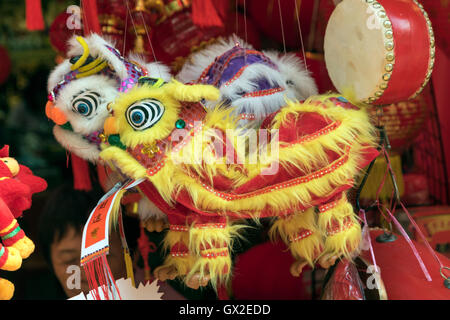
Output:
[[260, 106], [104, 86], [299, 82], [199, 61], [148, 210], [75, 143], [57, 74], [155, 69]]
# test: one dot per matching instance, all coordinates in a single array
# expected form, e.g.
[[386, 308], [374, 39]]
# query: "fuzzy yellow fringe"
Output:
[[286, 226], [337, 214], [344, 243], [173, 237], [183, 265], [199, 238], [218, 268], [307, 248]]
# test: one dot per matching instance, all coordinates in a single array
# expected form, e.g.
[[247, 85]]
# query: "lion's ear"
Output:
[[192, 93], [4, 152]]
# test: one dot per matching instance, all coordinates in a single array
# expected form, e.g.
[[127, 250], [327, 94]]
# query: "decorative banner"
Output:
[[95, 241]]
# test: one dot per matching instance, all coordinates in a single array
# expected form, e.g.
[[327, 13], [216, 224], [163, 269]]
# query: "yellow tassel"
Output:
[[113, 219], [129, 266], [377, 175]]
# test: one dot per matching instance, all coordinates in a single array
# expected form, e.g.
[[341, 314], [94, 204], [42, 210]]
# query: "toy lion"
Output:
[[197, 172]]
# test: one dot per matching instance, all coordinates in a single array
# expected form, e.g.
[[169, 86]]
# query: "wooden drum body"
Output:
[[379, 51]]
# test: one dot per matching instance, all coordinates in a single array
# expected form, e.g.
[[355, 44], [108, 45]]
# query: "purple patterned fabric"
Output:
[[94, 138], [133, 70], [228, 65]]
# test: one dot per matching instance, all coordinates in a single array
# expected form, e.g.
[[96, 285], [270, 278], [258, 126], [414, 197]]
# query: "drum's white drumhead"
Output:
[[355, 53]]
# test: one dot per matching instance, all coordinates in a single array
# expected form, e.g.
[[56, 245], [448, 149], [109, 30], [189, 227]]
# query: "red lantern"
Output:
[[403, 120]]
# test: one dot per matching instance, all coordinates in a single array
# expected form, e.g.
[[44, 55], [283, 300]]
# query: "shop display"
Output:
[[245, 149]]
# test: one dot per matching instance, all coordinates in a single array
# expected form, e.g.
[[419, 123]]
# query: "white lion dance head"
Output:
[[82, 86], [254, 83]]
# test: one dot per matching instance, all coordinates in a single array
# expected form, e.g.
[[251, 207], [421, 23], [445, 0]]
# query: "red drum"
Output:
[[379, 52]]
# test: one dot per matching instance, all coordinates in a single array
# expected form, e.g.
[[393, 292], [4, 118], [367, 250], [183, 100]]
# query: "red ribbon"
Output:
[[35, 20]]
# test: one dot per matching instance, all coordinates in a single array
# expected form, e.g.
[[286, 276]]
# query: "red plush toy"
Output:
[[17, 185]]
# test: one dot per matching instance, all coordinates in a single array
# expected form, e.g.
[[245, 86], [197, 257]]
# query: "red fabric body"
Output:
[[33, 184], [16, 191], [293, 129]]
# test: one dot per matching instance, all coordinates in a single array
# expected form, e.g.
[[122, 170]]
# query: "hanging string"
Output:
[[411, 219], [312, 29], [84, 19], [132, 21], [146, 31], [300, 32], [237, 18], [245, 22], [282, 27], [391, 211], [363, 217], [148, 36], [245, 32]]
